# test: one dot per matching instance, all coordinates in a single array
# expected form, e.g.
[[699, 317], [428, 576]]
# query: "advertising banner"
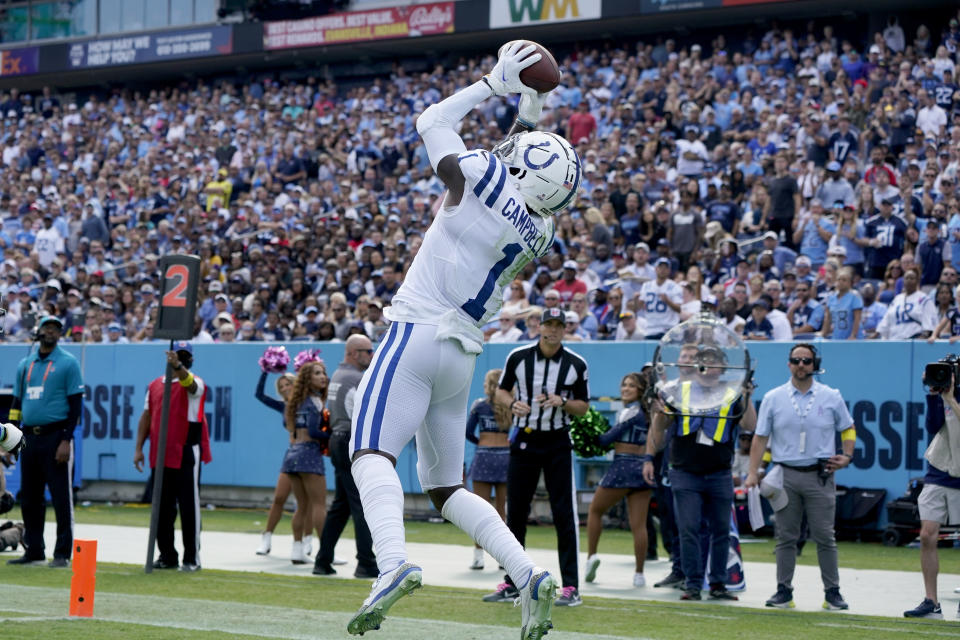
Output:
[[359, 26], [150, 47], [18, 62], [665, 6], [512, 13], [880, 382]]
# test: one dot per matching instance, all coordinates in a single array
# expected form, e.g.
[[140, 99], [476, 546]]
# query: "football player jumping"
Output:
[[495, 218]]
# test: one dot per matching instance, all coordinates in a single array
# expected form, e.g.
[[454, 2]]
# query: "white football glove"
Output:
[[11, 439], [530, 107], [504, 78]]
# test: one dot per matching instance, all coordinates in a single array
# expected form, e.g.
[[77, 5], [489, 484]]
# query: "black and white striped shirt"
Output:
[[528, 374]]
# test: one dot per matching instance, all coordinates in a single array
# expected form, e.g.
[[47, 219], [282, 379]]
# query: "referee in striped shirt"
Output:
[[545, 385]]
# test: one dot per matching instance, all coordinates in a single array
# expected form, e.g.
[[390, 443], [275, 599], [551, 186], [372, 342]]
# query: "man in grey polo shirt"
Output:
[[800, 420], [346, 502]]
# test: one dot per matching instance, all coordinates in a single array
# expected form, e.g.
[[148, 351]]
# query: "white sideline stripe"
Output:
[[912, 629], [673, 612], [264, 621]]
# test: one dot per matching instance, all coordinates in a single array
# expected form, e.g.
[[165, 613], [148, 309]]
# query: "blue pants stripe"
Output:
[[385, 389], [365, 402]]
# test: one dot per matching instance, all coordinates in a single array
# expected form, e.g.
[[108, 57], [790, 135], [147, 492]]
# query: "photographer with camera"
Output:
[[799, 419], [701, 457], [939, 501]]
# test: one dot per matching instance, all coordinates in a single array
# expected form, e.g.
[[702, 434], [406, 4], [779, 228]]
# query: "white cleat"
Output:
[[338, 562], [593, 562], [639, 580], [477, 560], [264, 548], [387, 589], [536, 601], [308, 546]]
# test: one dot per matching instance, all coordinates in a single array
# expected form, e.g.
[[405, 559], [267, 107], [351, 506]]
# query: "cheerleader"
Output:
[[488, 471], [624, 478], [307, 420], [283, 387]]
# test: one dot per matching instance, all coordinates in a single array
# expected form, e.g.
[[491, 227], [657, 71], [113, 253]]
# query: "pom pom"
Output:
[[274, 360], [585, 432], [302, 358]]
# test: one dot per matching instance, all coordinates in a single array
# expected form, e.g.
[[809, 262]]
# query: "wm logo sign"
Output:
[[509, 13]]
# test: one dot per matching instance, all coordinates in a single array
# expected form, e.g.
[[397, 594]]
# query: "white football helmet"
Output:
[[544, 167]]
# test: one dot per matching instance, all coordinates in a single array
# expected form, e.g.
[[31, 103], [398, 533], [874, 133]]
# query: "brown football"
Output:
[[543, 75]]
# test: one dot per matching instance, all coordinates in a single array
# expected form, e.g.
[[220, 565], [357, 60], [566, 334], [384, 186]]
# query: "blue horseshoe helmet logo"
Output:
[[534, 166]]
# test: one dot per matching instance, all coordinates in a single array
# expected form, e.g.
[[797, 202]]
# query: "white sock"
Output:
[[382, 497], [480, 521]]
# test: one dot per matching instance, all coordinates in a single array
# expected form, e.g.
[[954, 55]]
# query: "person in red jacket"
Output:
[[188, 444]]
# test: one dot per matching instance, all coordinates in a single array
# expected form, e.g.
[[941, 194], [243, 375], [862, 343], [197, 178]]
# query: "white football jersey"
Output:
[[907, 316], [471, 251], [660, 318]]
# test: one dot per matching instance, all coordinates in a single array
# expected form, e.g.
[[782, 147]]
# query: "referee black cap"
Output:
[[553, 313]]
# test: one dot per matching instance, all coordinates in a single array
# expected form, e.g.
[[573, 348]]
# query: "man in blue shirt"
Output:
[[930, 255], [887, 233], [47, 401], [725, 211], [939, 502], [805, 314], [783, 257], [758, 327], [701, 455], [799, 420]]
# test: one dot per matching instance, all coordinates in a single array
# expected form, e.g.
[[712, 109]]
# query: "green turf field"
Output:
[[219, 604], [856, 555]]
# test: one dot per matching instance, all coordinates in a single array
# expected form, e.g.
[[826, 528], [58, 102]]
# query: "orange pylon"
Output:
[[84, 581]]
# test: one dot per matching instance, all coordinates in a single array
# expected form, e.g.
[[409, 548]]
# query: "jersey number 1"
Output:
[[475, 307]]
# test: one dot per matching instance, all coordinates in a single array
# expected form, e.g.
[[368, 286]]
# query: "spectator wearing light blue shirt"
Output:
[[5, 240], [813, 232], [841, 320], [953, 237], [800, 421], [851, 234], [873, 311]]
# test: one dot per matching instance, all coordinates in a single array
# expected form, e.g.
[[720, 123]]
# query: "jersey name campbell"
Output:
[[472, 251]]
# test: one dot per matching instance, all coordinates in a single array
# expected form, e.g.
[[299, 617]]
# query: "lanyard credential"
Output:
[[796, 407], [46, 372]]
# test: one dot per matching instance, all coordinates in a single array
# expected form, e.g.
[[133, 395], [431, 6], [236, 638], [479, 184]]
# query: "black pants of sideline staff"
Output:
[[552, 453], [181, 491], [346, 504], [39, 469]]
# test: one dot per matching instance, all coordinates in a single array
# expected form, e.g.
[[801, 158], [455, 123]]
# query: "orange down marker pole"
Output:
[[84, 580]]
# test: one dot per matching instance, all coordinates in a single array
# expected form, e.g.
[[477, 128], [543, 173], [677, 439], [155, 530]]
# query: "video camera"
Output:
[[936, 375]]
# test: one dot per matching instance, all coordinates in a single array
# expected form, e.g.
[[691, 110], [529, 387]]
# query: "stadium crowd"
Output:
[[796, 182]]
